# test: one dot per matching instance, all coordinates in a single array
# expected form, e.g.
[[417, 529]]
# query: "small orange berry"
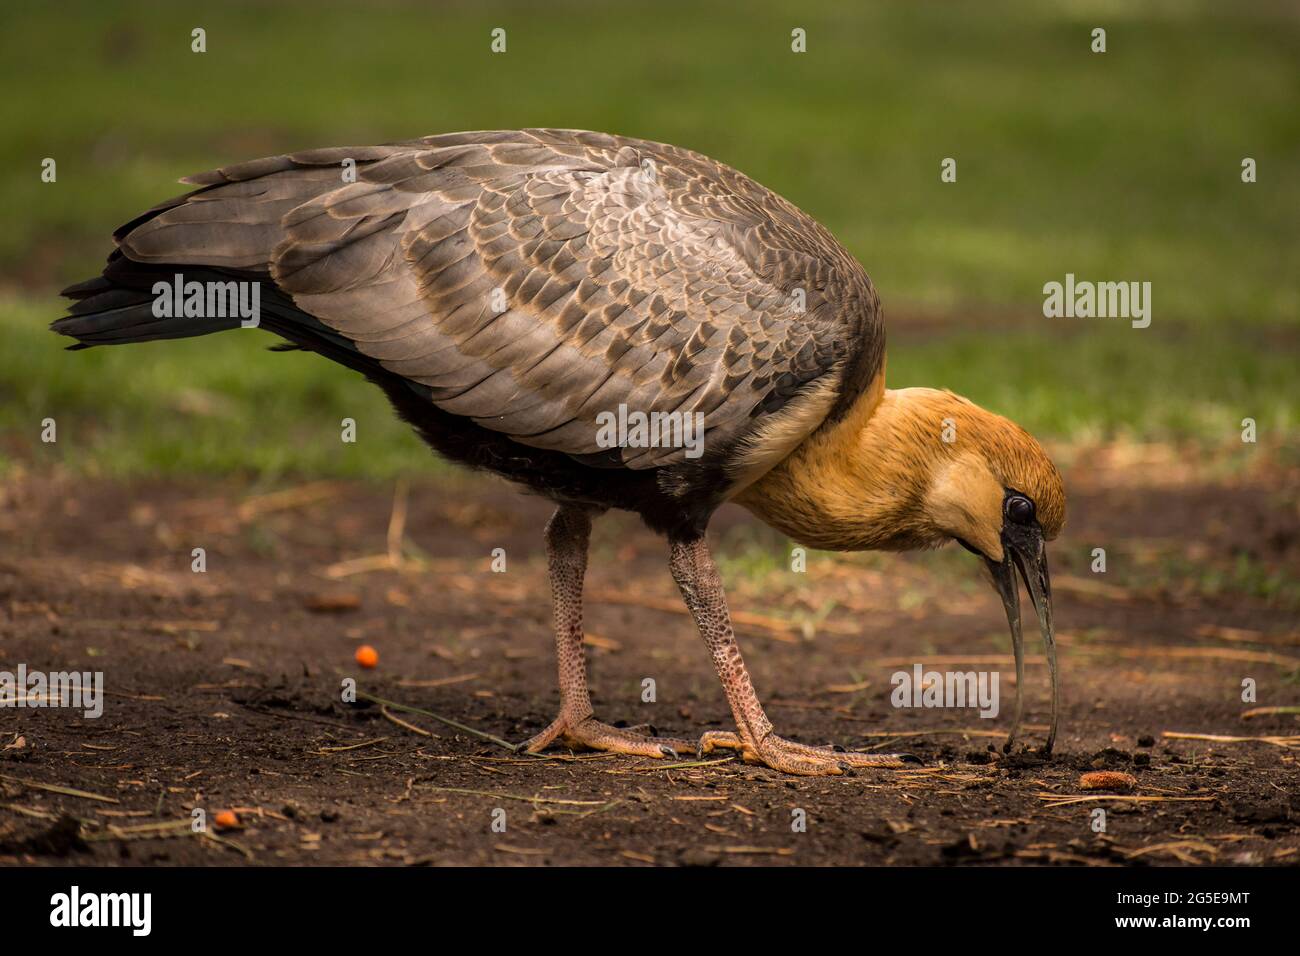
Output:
[[367, 656], [227, 819]]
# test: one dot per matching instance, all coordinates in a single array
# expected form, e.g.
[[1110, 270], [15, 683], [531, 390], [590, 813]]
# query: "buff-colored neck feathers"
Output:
[[908, 468]]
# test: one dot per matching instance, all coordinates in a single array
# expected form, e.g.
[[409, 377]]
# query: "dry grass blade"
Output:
[[1270, 712], [960, 732], [372, 562], [680, 766], [1072, 584], [53, 788], [518, 850], [397, 523], [1289, 742], [1177, 849], [438, 717], [289, 498], [345, 749], [403, 724], [242, 850], [1060, 800], [29, 811], [438, 681], [161, 828], [513, 796], [752, 850], [848, 688]]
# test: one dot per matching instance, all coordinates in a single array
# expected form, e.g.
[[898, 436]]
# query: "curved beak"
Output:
[[1023, 547]]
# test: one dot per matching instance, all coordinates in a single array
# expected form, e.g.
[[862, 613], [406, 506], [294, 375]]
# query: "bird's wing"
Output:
[[535, 279]]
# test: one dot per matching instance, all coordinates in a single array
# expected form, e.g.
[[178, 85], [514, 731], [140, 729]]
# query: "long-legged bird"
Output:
[[522, 295]]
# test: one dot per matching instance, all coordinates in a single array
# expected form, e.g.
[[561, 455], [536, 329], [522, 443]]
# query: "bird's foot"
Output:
[[593, 734], [801, 759]]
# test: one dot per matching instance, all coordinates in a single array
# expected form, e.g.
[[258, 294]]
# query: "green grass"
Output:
[[1099, 383], [1123, 165]]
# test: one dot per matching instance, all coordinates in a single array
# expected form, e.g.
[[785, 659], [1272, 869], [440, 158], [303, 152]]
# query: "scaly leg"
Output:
[[567, 535], [701, 586]]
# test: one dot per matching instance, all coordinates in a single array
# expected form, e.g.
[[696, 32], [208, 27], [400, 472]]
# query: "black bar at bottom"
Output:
[[349, 906]]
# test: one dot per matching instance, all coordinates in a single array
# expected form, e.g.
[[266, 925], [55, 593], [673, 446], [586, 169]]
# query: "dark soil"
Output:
[[225, 689]]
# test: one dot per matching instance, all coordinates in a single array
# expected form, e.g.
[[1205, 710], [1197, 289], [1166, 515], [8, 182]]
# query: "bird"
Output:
[[530, 299]]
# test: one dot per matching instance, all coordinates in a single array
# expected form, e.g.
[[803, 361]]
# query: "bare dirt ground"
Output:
[[224, 687]]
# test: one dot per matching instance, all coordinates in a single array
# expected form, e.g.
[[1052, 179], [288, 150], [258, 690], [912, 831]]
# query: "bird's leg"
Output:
[[567, 535], [701, 586]]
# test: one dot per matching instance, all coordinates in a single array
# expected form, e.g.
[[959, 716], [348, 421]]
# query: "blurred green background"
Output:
[[1117, 166]]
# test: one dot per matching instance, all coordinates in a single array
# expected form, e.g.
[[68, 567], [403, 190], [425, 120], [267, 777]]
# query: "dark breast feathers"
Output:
[[527, 281]]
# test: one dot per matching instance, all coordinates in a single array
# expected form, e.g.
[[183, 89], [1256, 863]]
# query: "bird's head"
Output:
[[997, 494], [919, 468]]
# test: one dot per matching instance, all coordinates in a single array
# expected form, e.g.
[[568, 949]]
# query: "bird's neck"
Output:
[[857, 484]]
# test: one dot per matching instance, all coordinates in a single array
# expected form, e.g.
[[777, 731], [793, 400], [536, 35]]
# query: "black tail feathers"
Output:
[[125, 305], [131, 302]]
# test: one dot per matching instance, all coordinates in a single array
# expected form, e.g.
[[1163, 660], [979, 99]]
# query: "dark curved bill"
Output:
[[1025, 548], [1004, 580]]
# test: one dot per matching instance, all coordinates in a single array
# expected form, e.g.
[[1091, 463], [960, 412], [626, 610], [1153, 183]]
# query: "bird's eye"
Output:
[[1020, 509]]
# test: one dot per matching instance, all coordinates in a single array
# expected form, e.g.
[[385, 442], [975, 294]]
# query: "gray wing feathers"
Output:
[[535, 279]]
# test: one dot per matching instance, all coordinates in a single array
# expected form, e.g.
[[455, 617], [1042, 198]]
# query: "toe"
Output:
[[599, 736], [882, 760], [718, 740], [795, 760], [801, 759], [540, 742]]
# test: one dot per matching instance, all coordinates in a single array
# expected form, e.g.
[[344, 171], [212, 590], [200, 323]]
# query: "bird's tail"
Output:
[[120, 307], [135, 303]]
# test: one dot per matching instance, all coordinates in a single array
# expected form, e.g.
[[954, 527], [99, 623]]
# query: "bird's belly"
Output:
[[667, 499]]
